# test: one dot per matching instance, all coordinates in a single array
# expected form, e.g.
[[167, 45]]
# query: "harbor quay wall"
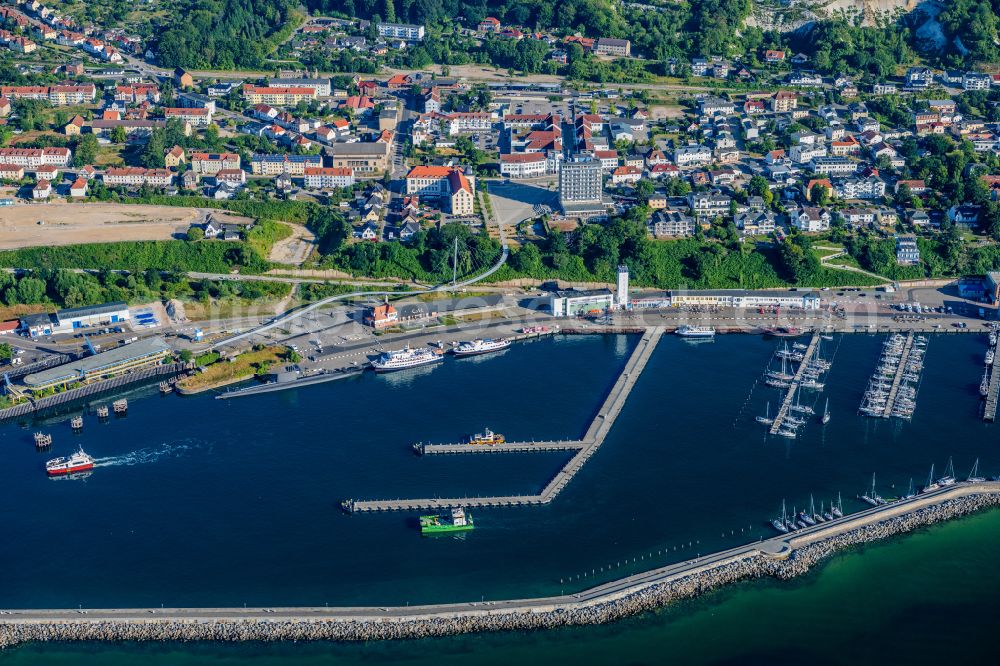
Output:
[[782, 557]]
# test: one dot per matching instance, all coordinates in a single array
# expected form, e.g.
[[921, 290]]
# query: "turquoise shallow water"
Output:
[[205, 502]]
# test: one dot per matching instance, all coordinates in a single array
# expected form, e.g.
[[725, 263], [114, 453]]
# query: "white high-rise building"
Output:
[[581, 186], [621, 295]]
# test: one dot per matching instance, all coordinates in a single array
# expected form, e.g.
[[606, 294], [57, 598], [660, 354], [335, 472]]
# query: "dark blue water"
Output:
[[210, 502]]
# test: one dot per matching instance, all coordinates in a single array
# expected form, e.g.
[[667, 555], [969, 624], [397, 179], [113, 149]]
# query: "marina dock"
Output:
[[898, 378], [892, 389], [779, 418], [585, 447], [992, 392], [990, 412]]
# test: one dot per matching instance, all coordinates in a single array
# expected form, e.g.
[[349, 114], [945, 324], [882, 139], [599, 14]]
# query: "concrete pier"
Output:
[[993, 393], [506, 447], [779, 418], [585, 447], [783, 557]]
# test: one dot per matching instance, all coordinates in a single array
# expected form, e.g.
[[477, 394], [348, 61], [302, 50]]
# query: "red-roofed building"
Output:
[[399, 81], [489, 24], [523, 165], [78, 188], [444, 183], [381, 316], [626, 174]]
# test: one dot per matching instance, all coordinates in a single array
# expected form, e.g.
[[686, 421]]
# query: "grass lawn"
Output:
[[242, 367]]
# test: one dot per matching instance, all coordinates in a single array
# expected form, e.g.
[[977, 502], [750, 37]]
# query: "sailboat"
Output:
[[797, 518], [873, 497], [781, 524], [826, 413], [949, 475], [817, 517], [910, 493], [799, 407], [838, 508], [766, 419], [826, 514], [931, 483], [974, 474]]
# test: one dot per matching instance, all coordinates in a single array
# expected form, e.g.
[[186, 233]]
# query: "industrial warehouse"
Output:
[[72, 319]]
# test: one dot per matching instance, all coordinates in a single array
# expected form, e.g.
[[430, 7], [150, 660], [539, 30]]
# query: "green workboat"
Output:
[[458, 521]]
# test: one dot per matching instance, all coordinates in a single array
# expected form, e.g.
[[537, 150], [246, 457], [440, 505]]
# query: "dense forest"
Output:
[[225, 33], [64, 288], [242, 33]]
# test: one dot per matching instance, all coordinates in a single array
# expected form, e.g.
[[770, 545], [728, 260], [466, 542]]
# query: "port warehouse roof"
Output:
[[92, 310], [137, 351], [745, 293], [415, 310]]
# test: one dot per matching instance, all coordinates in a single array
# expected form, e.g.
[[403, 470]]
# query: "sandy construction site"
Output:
[[72, 223]]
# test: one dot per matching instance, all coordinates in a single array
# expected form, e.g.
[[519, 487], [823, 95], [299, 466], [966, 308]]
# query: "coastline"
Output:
[[782, 557]]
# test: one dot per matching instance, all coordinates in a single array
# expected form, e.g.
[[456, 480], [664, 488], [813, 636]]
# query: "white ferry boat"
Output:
[[78, 462], [480, 346], [696, 331], [406, 358]]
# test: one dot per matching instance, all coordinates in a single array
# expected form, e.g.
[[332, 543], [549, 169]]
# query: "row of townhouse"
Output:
[[276, 164], [524, 165], [195, 117], [17, 43], [60, 95], [138, 93], [317, 178], [137, 177], [283, 96], [212, 163], [468, 122], [35, 157]]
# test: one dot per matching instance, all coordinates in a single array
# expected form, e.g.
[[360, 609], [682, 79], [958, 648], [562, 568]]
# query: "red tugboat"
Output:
[[78, 462]]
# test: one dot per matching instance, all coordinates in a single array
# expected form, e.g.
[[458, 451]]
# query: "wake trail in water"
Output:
[[149, 455]]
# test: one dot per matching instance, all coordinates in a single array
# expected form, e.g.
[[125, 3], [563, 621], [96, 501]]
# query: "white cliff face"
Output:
[[775, 15]]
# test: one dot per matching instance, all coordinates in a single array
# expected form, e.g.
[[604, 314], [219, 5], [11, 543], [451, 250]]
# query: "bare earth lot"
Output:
[[73, 223]]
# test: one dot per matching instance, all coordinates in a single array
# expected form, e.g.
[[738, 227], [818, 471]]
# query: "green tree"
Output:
[[85, 151], [528, 259], [119, 135]]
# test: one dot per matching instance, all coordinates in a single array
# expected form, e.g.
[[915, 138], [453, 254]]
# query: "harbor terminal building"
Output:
[[742, 298], [142, 354], [574, 302]]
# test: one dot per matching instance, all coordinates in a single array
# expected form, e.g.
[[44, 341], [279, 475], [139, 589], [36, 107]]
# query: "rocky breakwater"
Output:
[[801, 559], [606, 603]]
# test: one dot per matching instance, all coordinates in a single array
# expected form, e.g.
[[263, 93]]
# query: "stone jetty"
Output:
[[782, 557]]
